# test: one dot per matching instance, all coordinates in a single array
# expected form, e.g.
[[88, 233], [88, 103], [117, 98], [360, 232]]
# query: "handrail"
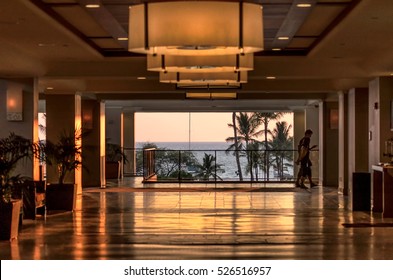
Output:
[[170, 165]]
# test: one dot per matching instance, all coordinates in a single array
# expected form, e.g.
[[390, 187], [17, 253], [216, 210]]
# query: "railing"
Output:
[[149, 167], [161, 165]]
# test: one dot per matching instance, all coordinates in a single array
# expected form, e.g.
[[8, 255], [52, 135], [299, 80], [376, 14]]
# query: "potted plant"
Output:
[[13, 149], [114, 156], [66, 156]]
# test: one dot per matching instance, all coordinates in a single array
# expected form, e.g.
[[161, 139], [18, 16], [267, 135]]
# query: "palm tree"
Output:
[[236, 146], [255, 157], [265, 118], [247, 132], [282, 143], [209, 168]]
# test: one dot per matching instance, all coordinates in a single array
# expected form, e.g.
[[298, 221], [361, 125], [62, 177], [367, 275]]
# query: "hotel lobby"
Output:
[[94, 65]]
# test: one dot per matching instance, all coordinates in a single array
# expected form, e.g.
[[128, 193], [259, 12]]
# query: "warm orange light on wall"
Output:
[[87, 117], [14, 102]]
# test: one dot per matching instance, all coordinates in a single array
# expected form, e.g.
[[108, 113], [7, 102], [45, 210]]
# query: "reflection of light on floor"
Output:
[[15, 250], [78, 228], [102, 224], [129, 224], [213, 213]]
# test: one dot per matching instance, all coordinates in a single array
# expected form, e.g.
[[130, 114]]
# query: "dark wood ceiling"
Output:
[[101, 28]]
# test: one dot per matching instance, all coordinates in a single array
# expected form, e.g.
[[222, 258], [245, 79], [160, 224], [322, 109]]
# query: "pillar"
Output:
[[380, 118], [329, 121], [63, 113], [342, 143], [357, 134], [312, 122], [129, 142], [114, 128], [298, 133], [93, 125], [321, 144]]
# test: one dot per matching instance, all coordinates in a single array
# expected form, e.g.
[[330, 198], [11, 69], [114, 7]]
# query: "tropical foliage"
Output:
[[170, 164], [257, 150], [65, 154], [13, 149], [209, 168], [246, 128], [260, 155], [114, 153], [282, 144]]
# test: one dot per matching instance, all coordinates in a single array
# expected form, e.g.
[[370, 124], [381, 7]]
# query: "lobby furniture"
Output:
[[383, 190]]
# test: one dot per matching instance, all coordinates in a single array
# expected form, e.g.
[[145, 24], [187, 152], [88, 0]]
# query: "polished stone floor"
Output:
[[132, 221]]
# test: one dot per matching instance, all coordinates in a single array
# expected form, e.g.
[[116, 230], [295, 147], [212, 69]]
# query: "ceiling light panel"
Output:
[[190, 28], [209, 63]]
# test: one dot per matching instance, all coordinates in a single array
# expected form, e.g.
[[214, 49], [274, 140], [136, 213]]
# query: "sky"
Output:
[[174, 127]]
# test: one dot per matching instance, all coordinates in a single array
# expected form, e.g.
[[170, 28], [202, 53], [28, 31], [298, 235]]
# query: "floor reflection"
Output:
[[133, 223]]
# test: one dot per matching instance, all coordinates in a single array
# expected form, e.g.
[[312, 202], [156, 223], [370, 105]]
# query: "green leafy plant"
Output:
[[13, 149], [65, 154], [209, 168], [114, 153]]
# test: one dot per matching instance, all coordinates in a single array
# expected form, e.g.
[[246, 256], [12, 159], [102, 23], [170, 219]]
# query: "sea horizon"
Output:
[[194, 145]]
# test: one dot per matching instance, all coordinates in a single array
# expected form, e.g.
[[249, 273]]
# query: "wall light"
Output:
[[87, 117], [195, 28], [14, 102]]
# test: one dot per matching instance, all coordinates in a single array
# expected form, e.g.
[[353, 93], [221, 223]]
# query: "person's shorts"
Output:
[[305, 170]]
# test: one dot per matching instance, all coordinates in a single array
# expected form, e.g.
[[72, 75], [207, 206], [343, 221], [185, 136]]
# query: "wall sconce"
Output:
[[333, 119], [87, 117], [14, 103]]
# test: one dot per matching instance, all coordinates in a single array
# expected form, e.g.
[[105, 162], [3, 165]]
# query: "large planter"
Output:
[[112, 169], [34, 199], [60, 197], [9, 219]]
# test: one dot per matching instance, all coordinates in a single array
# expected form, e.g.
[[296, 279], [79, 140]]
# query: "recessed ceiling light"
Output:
[[276, 49], [92, 6], [303, 5], [122, 39], [46, 44], [49, 88], [141, 78], [283, 38], [270, 78]]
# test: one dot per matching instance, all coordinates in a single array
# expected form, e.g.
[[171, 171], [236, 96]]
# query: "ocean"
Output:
[[189, 145]]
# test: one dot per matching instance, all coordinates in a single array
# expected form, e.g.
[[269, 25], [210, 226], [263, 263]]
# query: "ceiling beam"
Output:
[[107, 21], [294, 20]]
